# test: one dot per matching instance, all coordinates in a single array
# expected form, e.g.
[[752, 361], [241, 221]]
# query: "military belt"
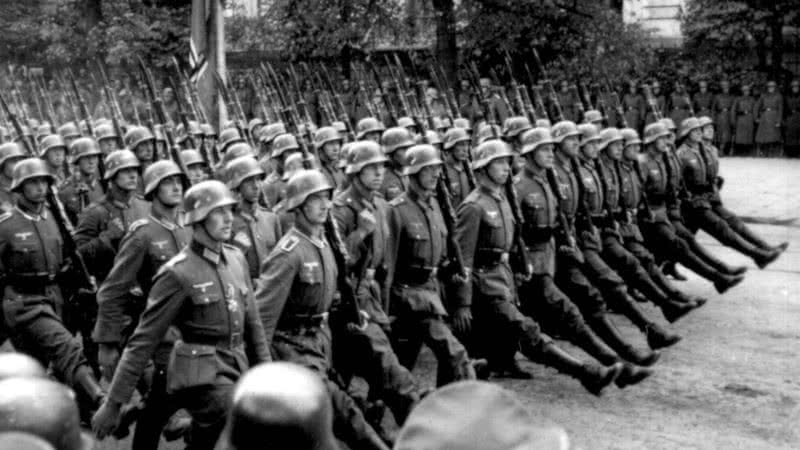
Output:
[[303, 322], [231, 342], [416, 275], [31, 283], [488, 258]]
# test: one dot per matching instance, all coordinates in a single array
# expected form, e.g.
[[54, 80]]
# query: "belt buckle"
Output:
[[236, 339], [504, 258], [434, 272]]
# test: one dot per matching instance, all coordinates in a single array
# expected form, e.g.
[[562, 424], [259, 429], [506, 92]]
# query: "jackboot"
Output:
[[631, 374], [722, 281], [606, 331], [711, 259], [89, 392], [671, 269], [659, 337], [594, 378], [766, 257], [761, 257], [674, 293], [673, 310]]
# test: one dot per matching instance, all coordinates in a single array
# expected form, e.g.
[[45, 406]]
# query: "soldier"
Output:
[[593, 117], [395, 142], [33, 264], [699, 168], [10, 155], [721, 109], [703, 99], [659, 231], [328, 144], [456, 160], [680, 106], [769, 115], [415, 249], [142, 143], [295, 292], [83, 187], [791, 112], [743, 118], [370, 129], [69, 132], [274, 185], [205, 292], [485, 234], [228, 137], [496, 106], [634, 106], [256, 230], [196, 167], [284, 401], [579, 201], [53, 150], [210, 138], [107, 138], [409, 124]]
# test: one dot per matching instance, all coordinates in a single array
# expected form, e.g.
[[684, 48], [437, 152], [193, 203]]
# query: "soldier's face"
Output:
[[107, 145], [696, 135], [708, 132], [543, 156], [631, 152], [570, 146], [371, 176], [499, 170], [196, 173], [461, 151], [56, 157], [144, 151], [35, 189], [374, 136], [589, 150], [428, 176], [218, 223], [614, 150], [331, 150], [316, 207], [170, 191], [88, 165], [249, 189], [127, 179], [662, 144]]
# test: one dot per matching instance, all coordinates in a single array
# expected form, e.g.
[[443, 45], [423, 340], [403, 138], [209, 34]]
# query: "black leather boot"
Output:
[[659, 337], [606, 330], [594, 378]]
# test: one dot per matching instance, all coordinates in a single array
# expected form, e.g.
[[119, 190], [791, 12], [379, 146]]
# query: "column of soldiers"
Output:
[[344, 249]]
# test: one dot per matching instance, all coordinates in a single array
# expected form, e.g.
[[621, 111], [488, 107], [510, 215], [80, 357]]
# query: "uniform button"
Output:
[[194, 352]]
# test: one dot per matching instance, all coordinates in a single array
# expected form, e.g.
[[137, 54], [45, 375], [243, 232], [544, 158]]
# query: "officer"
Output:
[[274, 186], [10, 155], [53, 150], [485, 234], [395, 142], [370, 129], [205, 292], [43, 408], [606, 171], [721, 109], [658, 230], [360, 215], [32, 262], [680, 106], [578, 189], [148, 244], [543, 233], [295, 292], [14, 364], [743, 116], [769, 116], [284, 401], [256, 230], [702, 99], [196, 167], [83, 187], [107, 138], [456, 163], [700, 168], [328, 143], [634, 106]]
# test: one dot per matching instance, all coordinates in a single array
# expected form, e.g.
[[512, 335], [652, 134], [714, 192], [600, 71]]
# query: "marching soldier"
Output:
[[703, 99], [204, 291], [142, 143], [497, 108], [295, 292], [10, 155], [274, 185], [32, 262], [415, 250], [485, 234], [328, 143], [148, 244], [395, 142], [53, 150], [743, 114], [369, 129], [769, 116], [566, 100], [83, 187], [107, 138], [196, 167], [456, 157], [791, 112], [721, 109], [256, 230], [69, 132]]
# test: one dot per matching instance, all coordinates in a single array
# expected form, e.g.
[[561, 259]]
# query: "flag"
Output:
[[207, 53]]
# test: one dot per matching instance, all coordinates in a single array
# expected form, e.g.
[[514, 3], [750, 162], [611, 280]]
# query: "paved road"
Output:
[[733, 381]]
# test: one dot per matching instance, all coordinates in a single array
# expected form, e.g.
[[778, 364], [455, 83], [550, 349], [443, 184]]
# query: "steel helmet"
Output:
[[51, 142], [513, 126], [339, 126], [420, 156], [10, 150], [227, 137], [83, 147], [406, 122], [461, 122], [433, 137], [362, 154], [157, 172], [534, 138], [654, 131], [589, 133], [325, 135], [455, 135], [158, 130], [396, 138], [270, 131], [30, 168], [630, 136], [488, 151], [441, 123], [43, 130], [705, 120], [14, 364], [203, 197], [291, 165], [592, 116], [44, 408], [4, 134], [609, 135], [303, 184], [564, 129], [68, 130], [191, 157], [486, 132], [105, 131], [283, 143], [118, 160], [543, 123], [669, 124], [344, 154], [254, 125], [368, 125], [241, 169], [689, 124], [237, 150], [137, 135], [208, 130]]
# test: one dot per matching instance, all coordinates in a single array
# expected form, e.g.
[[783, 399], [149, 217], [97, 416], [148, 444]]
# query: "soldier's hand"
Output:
[[115, 230], [106, 419], [107, 357], [367, 221], [462, 320]]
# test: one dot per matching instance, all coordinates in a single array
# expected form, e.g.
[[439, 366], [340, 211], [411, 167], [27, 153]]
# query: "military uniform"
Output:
[[702, 103], [394, 184], [661, 103], [334, 175], [7, 198], [459, 180], [255, 232], [680, 106], [274, 188], [205, 292], [415, 249], [77, 194], [791, 136], [743, 115], [634, 107], [296, 291], [769, 115]]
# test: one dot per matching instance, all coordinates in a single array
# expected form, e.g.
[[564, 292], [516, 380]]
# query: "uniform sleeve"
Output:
[[257, 348], [274, 285], [112, 296], [91, 242], [353, 239], [163, 305], [392, 245], [467, 227]]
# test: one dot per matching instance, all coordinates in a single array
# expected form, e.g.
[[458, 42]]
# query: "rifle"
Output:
[[301, 101], [223, 90], [36, 98], [85, 280], [72, 106], [343, 115], [116, 113], [551, 92], [651, 102], [184, 116], [383, 94], [43, 100], [398, 87], [578, 103], [262, 104], [87, 117], [502, 91], [518, 98]]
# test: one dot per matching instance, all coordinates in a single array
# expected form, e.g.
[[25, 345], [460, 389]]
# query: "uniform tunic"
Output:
[[459, 181], [680, 107], [394, 184], [702, 103], [255, 233], [721, 109], [77, 194], [792, 121], [769, 115], [743, 118], [635, 107]]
